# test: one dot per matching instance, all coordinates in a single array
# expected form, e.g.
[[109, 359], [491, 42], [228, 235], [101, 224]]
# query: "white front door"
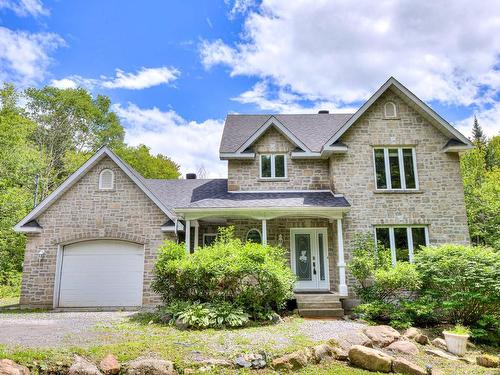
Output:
[[309, 258]]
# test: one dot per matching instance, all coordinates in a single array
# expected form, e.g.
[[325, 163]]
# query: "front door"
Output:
[[309, 250]]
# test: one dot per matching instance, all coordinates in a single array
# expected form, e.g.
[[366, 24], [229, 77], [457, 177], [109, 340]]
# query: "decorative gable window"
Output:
[[106, 180], [272, 166], [390, 110], [395, 168], [402, 241]]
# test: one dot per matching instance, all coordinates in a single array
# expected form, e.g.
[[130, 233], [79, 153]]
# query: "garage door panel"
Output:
[[101, 273]]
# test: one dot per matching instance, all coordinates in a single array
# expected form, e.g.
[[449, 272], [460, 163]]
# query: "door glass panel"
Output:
[[394, 167], [409, 168], [321, 257], [303, 256], [380, 169], [418, 236], [401, 242]]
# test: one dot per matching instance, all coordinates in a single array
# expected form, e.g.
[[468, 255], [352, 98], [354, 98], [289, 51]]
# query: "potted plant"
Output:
[[456, 339]]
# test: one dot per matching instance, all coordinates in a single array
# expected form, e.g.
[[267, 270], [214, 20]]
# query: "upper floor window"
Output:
[[390, 110], [395, 168], [402, 241], [272, 166], [106, 180]]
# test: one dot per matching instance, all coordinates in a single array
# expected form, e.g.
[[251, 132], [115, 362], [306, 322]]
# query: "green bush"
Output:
[[463, 280], [251, 276], [11, 285], [396, 283]]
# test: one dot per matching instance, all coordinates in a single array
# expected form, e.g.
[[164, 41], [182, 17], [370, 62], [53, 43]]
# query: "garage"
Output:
[[101, 273]]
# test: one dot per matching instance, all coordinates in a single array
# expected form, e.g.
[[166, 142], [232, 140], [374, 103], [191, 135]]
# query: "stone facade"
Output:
[[85, 212], [301, 174]]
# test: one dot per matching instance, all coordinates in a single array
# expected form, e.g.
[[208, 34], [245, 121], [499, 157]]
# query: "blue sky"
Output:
[[174, 69]]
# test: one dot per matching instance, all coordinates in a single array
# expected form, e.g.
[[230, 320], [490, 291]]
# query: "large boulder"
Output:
[[381, 336], [421, 339], [81, 366], [370, 359], [403, 346], [439, 343], [322, 353], [403, 366], [8, 367], [110, 365], [292, 361], [150, 366], [411, 332], [487, 360]]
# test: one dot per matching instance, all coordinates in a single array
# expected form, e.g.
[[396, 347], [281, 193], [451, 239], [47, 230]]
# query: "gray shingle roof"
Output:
[[312, 129], [213, 194]]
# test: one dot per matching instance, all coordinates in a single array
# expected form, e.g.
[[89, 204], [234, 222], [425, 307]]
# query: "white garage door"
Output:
[[101, 273]]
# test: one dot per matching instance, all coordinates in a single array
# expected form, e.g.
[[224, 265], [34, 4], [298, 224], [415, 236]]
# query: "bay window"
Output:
[[402, 241], [395, 168]]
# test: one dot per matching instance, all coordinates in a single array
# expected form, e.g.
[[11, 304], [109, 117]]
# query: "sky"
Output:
[[175, 69]]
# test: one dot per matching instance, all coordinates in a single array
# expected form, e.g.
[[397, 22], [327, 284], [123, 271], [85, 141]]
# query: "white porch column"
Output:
[[187, 231], [341, 264], [196, 239], [264, 232]]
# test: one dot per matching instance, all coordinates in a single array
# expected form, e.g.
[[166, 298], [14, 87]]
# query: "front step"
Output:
[[324, 305]]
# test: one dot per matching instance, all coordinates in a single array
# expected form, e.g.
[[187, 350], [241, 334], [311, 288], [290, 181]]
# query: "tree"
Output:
[[148, 165], [478, 137]]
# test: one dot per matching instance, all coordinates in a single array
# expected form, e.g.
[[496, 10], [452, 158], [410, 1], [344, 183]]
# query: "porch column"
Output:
[[187, 231], [264, 232], [196, 239], [340, 238]]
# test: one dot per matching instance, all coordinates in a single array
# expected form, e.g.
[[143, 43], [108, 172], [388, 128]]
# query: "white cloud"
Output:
[[65, 83], [189, 143], [332, 51], [24, 56], [489, 119], [144, 78], [25, 8], [240, 7]]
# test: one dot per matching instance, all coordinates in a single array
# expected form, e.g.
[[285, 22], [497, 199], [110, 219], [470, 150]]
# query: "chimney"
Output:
[[190, 176], [323, 111]]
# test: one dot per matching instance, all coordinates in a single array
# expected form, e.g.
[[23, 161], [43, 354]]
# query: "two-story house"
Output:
[[307, 182]]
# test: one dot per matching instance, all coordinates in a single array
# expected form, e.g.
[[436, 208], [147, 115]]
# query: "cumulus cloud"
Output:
[[24, 56], [191, 144], [332, 51], [489, 119], [25, 8]]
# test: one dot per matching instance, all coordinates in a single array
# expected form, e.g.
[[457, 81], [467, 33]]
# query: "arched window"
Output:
[[390, 110], [106, 180], [253, 235]]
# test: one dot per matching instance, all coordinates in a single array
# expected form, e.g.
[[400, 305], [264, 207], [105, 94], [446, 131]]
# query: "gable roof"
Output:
[[413, 101], [23, 226], [311, 130]]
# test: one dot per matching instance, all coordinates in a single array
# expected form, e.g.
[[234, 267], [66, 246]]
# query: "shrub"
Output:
[[11, 286], [254, 277], [463, 280]]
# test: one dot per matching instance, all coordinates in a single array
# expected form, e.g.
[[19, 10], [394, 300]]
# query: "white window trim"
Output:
[[409, 236], [254, 229], [273, 166], [395, 110], [208, 234], [112, 179], [402, 174]]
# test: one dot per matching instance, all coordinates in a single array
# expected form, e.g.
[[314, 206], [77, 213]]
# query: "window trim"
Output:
[[402, 175], [395, 110], [206, 235], [409, 237], [273, 166], [112, 179], [254, 229]]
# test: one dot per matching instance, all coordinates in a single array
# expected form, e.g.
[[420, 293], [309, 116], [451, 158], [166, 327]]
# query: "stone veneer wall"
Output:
[[440, 201], [85, 212], [301, 174]]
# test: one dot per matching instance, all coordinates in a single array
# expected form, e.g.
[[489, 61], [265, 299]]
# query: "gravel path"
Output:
[[347, 333]]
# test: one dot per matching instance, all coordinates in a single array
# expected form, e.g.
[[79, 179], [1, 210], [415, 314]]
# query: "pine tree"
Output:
[[478, 136]]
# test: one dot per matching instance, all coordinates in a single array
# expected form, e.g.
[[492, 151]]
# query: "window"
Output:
[[253, 235], [395, 168], [402, 241], [209, 238], [390, 110], [272, 166], [106, 179]]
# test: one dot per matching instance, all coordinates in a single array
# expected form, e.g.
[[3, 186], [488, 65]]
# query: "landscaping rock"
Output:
[[214, 362], [411, 332], [487, 360], [110, 365], [8, 367], [442, 354], [322, 353], [276, 319], [255, 361], [403, 366], [150, 366], [421, 339], [403, 346], [292, 361], [181, 325], [439, 343], [370, 359], [339, 354], [83, 367], [381, 336]]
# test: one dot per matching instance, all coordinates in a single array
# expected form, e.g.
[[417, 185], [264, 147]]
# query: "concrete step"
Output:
[[321, 313], [313, 298], [319, 305]]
